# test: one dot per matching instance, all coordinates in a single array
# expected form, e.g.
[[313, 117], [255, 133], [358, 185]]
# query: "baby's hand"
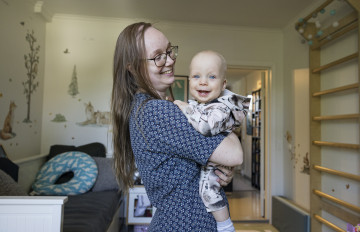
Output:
[[182, 105]]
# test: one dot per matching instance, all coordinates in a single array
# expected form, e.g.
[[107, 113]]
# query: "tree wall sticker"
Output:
[[73, 86], [31, 65]]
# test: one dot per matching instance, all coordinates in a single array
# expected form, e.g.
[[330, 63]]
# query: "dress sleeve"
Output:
[[168, 132]]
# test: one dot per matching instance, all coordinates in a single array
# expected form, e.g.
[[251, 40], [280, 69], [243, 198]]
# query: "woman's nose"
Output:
[[169, 61]]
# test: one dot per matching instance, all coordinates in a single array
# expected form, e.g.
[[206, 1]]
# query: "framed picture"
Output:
[[2, 152], [140, 210], [180, 88]]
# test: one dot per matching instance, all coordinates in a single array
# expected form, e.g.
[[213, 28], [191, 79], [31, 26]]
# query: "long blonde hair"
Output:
[[129, 75]]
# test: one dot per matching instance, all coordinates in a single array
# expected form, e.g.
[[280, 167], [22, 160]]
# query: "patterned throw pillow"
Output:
[[81, 164]]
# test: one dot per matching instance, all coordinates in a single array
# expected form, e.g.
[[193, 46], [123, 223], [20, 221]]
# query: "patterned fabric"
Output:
[[209, 189], [81, 164], [220, 115], [168, 153]]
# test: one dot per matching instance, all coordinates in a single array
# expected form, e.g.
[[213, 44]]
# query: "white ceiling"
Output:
[[248, 13]]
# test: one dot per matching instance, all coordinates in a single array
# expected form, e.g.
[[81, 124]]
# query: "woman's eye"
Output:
[[212, 77], [158, 57], [196, 76]]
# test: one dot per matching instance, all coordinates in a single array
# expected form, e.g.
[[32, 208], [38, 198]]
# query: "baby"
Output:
[[214, 110]]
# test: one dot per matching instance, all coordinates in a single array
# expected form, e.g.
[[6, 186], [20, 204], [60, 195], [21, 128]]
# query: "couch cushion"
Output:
[[106, 179], [92, 149], [9, 167], [9, 187], [90, 212], [82, 165]]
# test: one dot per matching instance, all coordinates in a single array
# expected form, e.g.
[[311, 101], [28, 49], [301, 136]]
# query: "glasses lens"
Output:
[[160, 60], [174, 52]]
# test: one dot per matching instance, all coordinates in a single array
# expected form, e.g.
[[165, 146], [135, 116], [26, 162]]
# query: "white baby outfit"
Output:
[[221, 115]]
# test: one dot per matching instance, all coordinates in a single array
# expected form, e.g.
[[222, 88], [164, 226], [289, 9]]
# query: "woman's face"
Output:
[[161, 77]]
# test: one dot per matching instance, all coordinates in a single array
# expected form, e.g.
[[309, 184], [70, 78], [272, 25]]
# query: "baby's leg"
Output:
[[209, 190]]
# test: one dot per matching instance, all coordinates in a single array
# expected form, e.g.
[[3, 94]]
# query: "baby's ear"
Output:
[[224, 85]]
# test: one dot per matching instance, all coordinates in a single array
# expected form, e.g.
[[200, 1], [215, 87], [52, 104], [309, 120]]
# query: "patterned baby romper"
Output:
[[168, 153], [218, 116]]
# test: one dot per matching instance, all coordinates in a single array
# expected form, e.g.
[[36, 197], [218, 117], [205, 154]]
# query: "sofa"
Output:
[[94, 208]]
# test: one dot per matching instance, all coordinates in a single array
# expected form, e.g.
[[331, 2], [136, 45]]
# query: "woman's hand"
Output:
[[225, 175], [182, 105]]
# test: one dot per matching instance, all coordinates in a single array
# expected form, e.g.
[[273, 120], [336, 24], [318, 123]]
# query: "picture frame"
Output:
[[3, 152], [180, 88], [134, 196]]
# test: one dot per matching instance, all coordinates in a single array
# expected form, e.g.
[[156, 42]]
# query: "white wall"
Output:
[[16, 20]]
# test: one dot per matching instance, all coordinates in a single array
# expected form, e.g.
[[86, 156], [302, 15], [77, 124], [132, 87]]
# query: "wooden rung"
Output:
[[336, 35], [332, 144], [336, 200], [338, 173], [336, 62], [336, 117], [335, 90], [327, 223], [340, 212], [349, 19]]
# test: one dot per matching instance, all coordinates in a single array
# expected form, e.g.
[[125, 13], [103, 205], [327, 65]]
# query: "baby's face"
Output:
[[206, 81]]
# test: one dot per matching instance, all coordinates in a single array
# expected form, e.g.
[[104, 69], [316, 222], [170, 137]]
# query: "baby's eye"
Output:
[[212, 77], [196, 76]]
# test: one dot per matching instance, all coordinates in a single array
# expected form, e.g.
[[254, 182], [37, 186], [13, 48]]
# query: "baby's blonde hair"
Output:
[[222, 58]]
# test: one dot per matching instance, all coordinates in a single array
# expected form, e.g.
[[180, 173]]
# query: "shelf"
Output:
[[256, 137]]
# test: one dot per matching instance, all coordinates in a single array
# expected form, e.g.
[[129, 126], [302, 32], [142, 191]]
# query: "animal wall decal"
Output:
[[31, 65], [93, 117], [7, 130]]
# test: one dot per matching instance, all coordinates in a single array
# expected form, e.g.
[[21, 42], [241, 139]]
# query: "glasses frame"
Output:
[[167, 53]]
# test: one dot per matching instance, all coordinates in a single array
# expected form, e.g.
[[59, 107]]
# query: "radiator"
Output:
[[286, 216], [31, 213]]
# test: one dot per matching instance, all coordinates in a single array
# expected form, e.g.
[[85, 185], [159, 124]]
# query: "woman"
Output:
[[153, 132]]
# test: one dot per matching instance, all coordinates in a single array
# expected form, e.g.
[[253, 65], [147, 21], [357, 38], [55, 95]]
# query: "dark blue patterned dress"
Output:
[[168, 153]]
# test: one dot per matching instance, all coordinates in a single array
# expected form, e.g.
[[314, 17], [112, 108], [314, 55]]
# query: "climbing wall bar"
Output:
[[319, 201]]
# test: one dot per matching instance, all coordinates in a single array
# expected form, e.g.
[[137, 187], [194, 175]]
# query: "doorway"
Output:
[[248, 199]]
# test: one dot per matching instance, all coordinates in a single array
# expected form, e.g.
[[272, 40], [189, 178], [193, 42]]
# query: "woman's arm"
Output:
[[229, 152]]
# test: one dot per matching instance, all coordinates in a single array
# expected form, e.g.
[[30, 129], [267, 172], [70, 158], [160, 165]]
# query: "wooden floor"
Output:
[[244, 201], [254, 227], [245, 206]]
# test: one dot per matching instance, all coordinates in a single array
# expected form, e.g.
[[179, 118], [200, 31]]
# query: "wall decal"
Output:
[[73, 86], [306, 167], [59, 118], [7, 130], [93, 117], [31, 65]]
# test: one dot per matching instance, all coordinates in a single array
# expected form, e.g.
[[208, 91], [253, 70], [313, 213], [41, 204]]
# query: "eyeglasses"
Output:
[[160, 60]]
